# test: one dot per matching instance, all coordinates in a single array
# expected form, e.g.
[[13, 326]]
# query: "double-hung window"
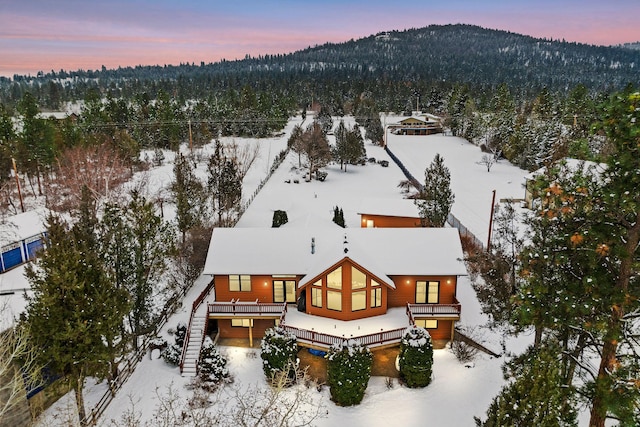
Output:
[[240, 283], [427, 292]]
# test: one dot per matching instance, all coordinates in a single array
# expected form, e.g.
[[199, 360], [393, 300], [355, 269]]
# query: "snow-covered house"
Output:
[[398, 213], [426, 124], [344, 275]]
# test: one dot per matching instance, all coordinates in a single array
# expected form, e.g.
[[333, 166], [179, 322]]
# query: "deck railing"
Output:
[[370, 340], [246, 308], [419, 310]]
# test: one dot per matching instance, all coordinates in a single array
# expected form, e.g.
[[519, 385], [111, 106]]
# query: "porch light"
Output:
[[449, 281]]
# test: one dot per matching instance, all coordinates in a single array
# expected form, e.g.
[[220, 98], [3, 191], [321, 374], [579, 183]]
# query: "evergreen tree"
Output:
[[416, 357], [36, 150], [341, 148], [580, 268], [534, 394], [224, 184], [373, 130], [279, 350], [7, 142], [615, 259], [188, 193], [74, 310], [355, 151], [338, 217], [135, 245], [279, 218], [324, 119], [435, 198], [348, 372], [212, 366]]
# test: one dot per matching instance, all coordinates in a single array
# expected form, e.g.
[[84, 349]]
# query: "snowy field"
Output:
[[456, 394]]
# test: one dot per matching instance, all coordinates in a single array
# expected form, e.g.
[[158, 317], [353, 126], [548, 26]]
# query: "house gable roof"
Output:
[[322, 269], [381, 251]]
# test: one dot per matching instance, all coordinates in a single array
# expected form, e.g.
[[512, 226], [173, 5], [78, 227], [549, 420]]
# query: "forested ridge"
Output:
[[391, 66]]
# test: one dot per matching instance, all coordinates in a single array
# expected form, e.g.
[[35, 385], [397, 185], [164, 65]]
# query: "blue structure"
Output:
[[17, 253], [26, 236]]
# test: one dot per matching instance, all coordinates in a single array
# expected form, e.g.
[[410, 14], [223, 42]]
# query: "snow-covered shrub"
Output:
[[416, 357], [171, 354], [348, 372], [212, 366], [463, 351], [279, 218], [279, 350], [181, 332]]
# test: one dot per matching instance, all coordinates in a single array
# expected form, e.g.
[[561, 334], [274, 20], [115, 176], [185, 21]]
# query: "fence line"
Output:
[[132, 360], [451, 219], [276, 163]]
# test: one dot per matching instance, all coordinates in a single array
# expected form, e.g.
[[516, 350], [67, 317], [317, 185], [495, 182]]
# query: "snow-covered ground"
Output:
[[457, 393]]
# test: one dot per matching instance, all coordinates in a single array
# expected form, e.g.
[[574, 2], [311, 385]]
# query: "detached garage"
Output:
[[21, 237]]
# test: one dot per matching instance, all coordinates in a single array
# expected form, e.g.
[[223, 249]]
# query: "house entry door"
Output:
[[284, 290]]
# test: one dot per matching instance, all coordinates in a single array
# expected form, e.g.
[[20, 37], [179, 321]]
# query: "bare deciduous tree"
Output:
[[99, 168], [244, 155], [234, 405], [17, 366]]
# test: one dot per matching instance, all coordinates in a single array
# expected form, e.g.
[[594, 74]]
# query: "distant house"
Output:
[[426, 124], [530, 196], [21, 236], [387, 213], [260, 275]]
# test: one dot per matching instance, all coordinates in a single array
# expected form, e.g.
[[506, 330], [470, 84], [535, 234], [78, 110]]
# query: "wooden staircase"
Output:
[[195, 335]]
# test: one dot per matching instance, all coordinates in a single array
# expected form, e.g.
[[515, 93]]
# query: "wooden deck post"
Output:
[[251, 333]]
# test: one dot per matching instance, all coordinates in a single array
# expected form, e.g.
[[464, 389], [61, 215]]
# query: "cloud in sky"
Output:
[[71, 34]]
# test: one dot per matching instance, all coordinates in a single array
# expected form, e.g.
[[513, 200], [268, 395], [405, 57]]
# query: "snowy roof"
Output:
[[389, 207], [22, 226], [382, 251]]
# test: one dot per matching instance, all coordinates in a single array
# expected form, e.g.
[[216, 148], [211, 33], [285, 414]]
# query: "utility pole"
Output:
[[15, 171], [493, 206], [190, 137]]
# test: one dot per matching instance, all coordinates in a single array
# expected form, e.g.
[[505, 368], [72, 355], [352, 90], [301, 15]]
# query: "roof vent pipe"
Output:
[[345, 244], [313, 245]]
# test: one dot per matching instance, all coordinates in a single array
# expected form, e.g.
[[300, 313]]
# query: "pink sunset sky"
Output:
[[45, 35]]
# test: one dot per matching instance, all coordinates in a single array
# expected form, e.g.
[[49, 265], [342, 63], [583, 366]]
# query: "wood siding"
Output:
[[443, 332], [405, 291], [346, 313], [259, 328], [261, 288], [386, 221]]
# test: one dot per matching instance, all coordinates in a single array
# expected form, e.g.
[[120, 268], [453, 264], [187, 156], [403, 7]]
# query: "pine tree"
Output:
[[224, 184], [341, 147], [324, 119], [136, 245], [534, 394], [75, 310], [373, 130], [355, 151], [435, 199], [188, 194], [579, 271]]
